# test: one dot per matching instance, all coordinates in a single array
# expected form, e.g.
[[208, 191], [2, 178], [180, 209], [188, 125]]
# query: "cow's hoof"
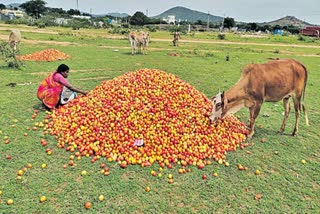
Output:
[[280, 131], [294, 134], [249, 136]]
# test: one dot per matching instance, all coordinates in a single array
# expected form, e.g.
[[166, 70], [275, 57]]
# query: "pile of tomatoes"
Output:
[[143, 117], [44, 55]]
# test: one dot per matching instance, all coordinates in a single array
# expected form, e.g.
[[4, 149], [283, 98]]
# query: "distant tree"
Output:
[[2, 6], [252, 26], [293, 29], [213, 25], [185, 23], [229, 22], [34, 7], [86, 14], [125, 19], [267, 27], [56, 10], [73, 12], [139, 19], [199, 22], [154, 21]]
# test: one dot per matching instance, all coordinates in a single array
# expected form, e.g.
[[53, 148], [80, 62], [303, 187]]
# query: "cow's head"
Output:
[[146, 37], [218, 105], [13, 45]]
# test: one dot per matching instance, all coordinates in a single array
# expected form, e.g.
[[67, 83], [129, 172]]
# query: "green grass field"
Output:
[[285, 184]]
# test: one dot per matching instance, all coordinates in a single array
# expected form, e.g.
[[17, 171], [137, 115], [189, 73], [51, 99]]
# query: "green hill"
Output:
[[185, 14], [288, 21]]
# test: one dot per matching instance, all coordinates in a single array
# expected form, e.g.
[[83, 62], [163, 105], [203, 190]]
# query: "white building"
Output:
[[7, 14], [81, 17], [169, 19], [62, 21], [16, 13]]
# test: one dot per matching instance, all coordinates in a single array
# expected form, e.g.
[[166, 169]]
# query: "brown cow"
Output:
[[139, 41], [270, 82]]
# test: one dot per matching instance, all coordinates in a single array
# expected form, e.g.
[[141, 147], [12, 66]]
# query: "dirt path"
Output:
[[26, 29], [240, 43]]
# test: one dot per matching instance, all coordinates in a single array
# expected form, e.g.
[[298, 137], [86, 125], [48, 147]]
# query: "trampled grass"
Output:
[[285, 184]]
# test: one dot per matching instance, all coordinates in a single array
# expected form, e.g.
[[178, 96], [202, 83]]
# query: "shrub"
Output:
[[18, 21], [125, 25], [124, 31], [221, 36], [9, 56], [301, 38], [277, 51], [152, 28], [119, 30]]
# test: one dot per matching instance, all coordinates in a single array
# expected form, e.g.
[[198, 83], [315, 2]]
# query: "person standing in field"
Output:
[[176, 37], [56, 90]]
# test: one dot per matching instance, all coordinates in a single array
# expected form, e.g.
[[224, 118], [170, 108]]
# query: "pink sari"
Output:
[[49, 91]]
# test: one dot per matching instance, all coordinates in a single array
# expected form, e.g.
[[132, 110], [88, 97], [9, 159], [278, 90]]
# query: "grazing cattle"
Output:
[[140, 41], [270, 82], [14, 39]]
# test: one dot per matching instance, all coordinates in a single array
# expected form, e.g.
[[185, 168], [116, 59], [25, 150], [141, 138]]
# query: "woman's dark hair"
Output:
[[62, 68]]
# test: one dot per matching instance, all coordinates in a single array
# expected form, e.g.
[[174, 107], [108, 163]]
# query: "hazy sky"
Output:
[[240, 10]]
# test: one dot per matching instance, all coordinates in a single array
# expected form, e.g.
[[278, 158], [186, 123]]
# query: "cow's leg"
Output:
[[296, 102], [254, 112], [132, 47], [145, 49], [286, 105]]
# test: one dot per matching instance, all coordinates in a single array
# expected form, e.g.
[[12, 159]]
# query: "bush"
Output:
[[125, 25], [119, 30], [152, 28], [221, 36], [76, 24], [301, 38], [124, 31], [9, 56], [41, 25], [18, 21], [276, 51]]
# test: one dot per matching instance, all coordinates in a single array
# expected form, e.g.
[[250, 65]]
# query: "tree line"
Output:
[[43, 16]]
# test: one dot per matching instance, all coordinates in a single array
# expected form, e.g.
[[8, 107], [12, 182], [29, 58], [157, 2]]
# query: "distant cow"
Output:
[[271, 82], [140, 41], [14, 39]]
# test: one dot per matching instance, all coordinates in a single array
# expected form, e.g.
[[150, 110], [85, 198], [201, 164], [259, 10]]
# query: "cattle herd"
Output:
[[139, 41]]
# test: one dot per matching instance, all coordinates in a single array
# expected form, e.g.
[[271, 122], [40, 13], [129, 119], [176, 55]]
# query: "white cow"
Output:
[[14, 39]]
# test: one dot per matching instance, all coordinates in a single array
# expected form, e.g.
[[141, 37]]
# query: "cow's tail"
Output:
[[133, 43], [303, 107]]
